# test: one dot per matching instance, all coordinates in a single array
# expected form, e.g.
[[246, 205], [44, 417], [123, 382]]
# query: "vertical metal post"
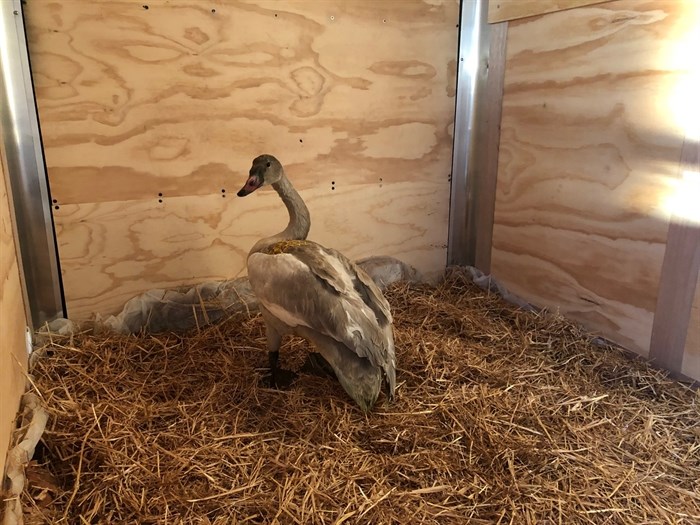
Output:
[[472, 74], [27, 173]]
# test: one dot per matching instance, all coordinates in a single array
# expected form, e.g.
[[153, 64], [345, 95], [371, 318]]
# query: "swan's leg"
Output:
[[274, 340], [278, 378]]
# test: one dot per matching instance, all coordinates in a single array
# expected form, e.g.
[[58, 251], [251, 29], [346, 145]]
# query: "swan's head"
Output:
[[265, 170]]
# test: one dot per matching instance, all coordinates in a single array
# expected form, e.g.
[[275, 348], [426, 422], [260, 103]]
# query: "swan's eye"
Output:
[[268, 164]]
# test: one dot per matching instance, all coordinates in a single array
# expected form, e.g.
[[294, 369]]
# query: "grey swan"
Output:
[[319, 294]]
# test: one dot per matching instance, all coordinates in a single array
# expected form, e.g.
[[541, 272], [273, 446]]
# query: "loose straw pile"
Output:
[[502, 416]]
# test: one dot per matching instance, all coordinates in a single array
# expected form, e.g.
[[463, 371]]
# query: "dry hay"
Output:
[[502, 416]]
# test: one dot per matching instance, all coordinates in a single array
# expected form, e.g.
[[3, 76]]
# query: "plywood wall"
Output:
[[13, 350], [589, 145], [152, 112]]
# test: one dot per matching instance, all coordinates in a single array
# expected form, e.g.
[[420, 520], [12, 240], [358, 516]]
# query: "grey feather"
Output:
[[316, 295]]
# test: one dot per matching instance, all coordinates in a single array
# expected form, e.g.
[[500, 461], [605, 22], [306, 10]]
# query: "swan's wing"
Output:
[[305, 284], [372, 295]]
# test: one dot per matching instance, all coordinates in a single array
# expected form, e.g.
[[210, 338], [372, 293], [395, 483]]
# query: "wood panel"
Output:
[[178, 98], [126, 261], [589, 150], [13, 350], [680, 269], [691, 356], [503, 10], [676, 293]]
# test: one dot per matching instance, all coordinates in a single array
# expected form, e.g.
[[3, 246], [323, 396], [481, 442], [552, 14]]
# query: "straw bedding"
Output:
[[502, 416]]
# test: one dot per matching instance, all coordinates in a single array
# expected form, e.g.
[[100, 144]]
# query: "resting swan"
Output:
[[320, 295]]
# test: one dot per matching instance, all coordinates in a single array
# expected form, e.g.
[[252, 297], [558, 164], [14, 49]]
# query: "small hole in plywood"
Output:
[[213, 10], [145, 7], [160, 195], [57, 207], [54, 201], [300, 140], [160, 200]]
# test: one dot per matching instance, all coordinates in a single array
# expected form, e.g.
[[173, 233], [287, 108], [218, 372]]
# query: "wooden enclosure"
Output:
[[152, 112]]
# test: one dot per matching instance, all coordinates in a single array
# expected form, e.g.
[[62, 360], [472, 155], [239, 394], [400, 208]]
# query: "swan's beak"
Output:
[[252, 184]]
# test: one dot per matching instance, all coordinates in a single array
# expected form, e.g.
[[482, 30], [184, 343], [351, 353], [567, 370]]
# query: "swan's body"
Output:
[[319, 294]]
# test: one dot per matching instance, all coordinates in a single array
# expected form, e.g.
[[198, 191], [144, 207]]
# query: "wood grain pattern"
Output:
[[587, 152], [126, 261], [178, 98], [13, 353], [504, 10]]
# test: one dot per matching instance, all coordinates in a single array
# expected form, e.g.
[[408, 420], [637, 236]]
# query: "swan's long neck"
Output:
[[299, 219]]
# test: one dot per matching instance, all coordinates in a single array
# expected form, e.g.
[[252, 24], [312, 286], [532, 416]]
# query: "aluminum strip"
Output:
[[472, 74], [27, 172]]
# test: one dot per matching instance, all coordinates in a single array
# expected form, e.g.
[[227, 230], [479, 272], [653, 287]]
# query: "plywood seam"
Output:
[[509, 10]]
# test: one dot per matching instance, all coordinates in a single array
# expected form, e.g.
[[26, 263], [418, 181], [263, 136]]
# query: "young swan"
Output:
[[320, 295]]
